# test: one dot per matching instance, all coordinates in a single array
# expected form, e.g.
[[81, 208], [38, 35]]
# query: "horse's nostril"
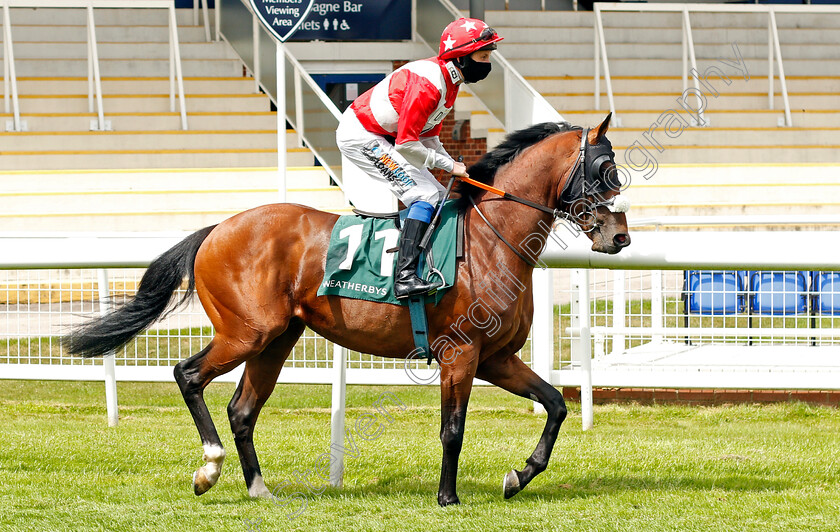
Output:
[[621, 240]]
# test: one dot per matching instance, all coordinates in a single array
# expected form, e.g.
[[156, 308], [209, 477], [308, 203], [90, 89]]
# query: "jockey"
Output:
[[391, 132]]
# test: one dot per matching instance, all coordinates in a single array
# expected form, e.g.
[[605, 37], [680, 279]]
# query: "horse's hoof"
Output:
[[258, 489], [510, 486], [200, 482], [446, 501]]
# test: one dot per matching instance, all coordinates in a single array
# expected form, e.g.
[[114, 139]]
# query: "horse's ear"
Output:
[[600, 131]]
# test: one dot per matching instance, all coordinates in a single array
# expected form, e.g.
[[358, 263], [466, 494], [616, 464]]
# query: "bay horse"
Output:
[[257, 274]]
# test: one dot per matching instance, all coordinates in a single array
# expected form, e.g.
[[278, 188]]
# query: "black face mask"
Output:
[[472, 70]]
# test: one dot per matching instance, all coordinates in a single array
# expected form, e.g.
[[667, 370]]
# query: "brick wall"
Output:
[[704, 396]]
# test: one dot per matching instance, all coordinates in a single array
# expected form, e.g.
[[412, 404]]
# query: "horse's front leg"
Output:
[[456, 380], [510, 373]]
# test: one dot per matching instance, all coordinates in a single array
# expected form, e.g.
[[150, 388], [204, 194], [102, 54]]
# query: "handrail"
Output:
[[204, 7], [774, 47], [247, 46], [94, 79]]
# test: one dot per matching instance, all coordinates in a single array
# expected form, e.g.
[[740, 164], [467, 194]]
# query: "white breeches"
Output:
[[381, 162]]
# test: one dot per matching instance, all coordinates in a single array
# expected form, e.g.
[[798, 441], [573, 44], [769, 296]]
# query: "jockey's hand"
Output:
[[460, 170]]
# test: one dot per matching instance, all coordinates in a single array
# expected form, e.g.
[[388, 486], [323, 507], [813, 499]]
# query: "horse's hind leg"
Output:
[[254, 389], [192, 376], [511, 374]]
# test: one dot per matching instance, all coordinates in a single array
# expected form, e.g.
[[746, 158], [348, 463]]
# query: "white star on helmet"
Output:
[[449, 43], [468, 25]]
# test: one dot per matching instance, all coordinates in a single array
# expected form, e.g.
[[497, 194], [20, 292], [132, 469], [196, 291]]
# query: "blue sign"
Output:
[[282, 17], [357, 20]]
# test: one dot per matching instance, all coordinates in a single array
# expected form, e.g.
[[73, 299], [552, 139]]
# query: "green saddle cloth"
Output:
[[359, 265]]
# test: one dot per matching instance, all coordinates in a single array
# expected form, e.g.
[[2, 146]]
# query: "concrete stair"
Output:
[[760, 188], [554, 51], [60, 175], [149, 200]]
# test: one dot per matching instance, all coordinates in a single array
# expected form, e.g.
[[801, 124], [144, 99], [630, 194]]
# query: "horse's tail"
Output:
[[157, 287]]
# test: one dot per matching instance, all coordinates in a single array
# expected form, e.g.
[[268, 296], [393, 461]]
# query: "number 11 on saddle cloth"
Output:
[[360, 264]]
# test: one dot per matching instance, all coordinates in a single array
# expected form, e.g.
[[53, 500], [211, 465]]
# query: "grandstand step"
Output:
[[156, 121], [29, 86], [725, 101], [128, 67], [707, 54], [89, 181], [733, 209], [584, 66], [104, 33], [102, 16], [680, 153], [125, 203], [130, 51], [530, 34], [673, 84], [717, 118], [144, 103], [137, 140], [736, 21], [744, 136], [163, 158]]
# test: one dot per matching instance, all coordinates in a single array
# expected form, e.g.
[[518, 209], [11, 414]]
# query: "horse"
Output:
[[257, 273]]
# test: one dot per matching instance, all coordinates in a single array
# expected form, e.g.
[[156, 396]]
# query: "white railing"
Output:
[[678, 250], [773, 46], [746, 220], [654, 251], [176, 78], [312, 114]]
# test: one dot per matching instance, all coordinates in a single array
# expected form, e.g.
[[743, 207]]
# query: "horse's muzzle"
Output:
[[621, 240]]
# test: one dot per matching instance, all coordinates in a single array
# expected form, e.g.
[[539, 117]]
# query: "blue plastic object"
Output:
[[826, 287], [779, 293], [715, 292]]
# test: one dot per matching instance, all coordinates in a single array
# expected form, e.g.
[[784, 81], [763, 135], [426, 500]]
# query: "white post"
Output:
[[542, 332], [218, 20], [607, 78], [179, 75], [690, 41], [574, 282], [281, 121], [255, 44], [788, 119], [10, 75], [770, 88], [656, 303], [97, 79], [90, 70], [108, 361], [619, 312], [339, 388], [206, 20], [299, 119], [597, 69], [684, 56], [6, 99], [587, 417], [172, 107]]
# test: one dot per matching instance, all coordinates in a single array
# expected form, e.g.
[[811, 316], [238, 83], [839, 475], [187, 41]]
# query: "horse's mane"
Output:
[[486, 167]]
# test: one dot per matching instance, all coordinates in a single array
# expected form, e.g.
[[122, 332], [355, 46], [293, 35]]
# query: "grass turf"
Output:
[[743, 467]]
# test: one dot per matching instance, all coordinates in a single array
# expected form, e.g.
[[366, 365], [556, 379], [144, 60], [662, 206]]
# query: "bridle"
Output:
[[584, 178]]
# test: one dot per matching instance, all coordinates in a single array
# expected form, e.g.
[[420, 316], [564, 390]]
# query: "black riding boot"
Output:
[[407, 282]]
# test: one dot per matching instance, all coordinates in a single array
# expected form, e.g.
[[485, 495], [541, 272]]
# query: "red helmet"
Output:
[[465, 36]]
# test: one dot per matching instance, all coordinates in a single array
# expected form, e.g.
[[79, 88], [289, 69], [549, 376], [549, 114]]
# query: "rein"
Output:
[[578, 173]]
